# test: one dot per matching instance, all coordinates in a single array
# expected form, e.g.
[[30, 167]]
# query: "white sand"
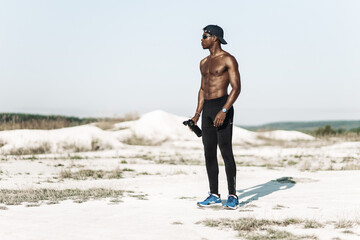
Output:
[[176, 180], [286, 135], [321, 196], [59, 140]]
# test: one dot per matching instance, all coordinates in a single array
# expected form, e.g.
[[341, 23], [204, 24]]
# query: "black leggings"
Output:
[[211, 136]]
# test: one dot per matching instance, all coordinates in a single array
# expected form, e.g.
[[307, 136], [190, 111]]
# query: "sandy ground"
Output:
[[162, 183], [169, 209]]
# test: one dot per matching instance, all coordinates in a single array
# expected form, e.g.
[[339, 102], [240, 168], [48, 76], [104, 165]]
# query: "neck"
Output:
[[215, 49]]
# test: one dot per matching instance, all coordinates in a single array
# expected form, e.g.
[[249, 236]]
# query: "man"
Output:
[[218, 70]]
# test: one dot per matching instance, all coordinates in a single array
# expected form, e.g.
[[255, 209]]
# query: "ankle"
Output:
[[216, 195]]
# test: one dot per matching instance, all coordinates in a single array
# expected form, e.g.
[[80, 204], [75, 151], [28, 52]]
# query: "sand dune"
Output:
[[156, 127], [80, 138]]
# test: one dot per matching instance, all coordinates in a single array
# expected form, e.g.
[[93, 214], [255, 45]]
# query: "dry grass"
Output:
[[72, 147], [259, 229], [249, 224], [88, 173], [2, 143], [37, 124], [313, 224], [128, 170], [108, 123], [177, 223], [351, 166], [343, 223], [278, 207], [45, 147], [95, 145], [11, 121], [139, 196], [348, 232], [138, 140], [51, 196], [271, 234]]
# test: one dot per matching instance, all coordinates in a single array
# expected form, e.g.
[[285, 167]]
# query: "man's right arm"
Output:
[[200, 103], [200, 96]]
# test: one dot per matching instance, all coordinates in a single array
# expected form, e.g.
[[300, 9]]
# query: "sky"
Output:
[[297, 59]]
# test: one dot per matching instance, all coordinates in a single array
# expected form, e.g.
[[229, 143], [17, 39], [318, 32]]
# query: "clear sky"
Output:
[[298, 59]]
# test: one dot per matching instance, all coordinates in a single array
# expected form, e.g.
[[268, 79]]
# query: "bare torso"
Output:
[[215, 75], [218, 71]]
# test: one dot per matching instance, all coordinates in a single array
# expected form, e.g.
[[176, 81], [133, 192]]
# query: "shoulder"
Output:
[[230, 59], [203, 60]]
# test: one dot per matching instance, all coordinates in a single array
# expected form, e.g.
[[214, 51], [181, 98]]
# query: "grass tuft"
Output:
[[17, 197], [45, 147], [270, 234], [88, 173], [344, 224], [177, 223], [138, 140], [259, 229], [313, 224]]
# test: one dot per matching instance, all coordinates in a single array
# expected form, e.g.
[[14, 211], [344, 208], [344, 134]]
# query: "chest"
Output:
[[213, 67]]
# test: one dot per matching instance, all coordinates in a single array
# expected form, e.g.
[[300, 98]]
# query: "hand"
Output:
[[195, 120], [219, 119]]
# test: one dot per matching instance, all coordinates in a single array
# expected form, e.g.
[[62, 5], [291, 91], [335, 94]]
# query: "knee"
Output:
[[210, 155], [225, 146]]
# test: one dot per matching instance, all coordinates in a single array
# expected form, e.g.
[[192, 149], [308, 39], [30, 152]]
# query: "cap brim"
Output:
[[222, 40]]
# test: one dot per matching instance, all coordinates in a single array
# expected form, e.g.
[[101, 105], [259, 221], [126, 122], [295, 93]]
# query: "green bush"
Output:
[[355, 130], [325, 131]]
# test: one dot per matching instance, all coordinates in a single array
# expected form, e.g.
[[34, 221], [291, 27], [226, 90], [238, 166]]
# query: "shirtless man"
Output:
[[218, 70]]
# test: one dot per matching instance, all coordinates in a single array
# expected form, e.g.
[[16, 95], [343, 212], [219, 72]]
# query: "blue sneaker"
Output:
[[211, 200], [232, 202]]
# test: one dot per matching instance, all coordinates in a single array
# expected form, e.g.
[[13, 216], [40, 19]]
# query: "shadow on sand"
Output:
[[265, 189]]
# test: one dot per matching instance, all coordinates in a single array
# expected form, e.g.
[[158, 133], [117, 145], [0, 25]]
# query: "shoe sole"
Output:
[[230, 208], [210, 205]]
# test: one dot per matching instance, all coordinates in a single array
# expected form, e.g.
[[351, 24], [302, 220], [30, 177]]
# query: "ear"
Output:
[[215, 38]]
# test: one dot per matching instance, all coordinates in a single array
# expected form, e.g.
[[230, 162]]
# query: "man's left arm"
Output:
[[234, 78]]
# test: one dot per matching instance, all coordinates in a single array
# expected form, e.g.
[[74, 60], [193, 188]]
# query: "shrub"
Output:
[[355, 130], [325, 131]]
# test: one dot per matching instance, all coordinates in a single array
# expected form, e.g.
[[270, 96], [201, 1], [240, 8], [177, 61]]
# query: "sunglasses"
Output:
[[204, 36]]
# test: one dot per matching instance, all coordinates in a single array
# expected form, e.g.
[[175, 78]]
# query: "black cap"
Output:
[[217, 31]]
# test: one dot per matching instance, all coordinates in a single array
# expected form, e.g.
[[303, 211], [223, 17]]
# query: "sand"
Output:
[[168, 179]]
